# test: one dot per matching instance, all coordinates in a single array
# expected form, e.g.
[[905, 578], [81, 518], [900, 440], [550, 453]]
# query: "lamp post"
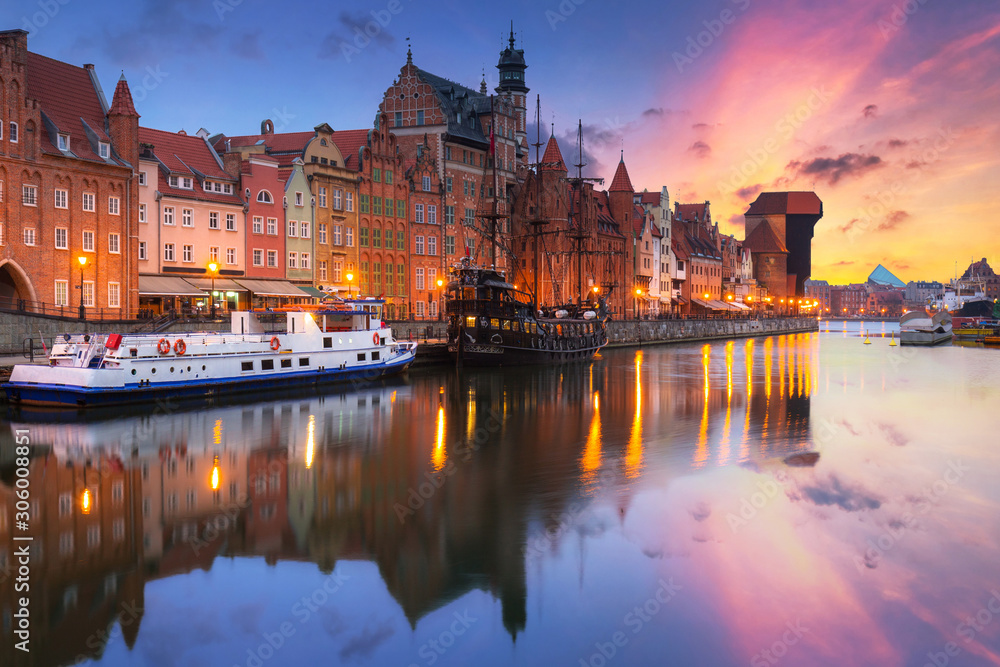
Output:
[[83, 263], [350, 277], [635, 304], [440, 284], [213, 268]]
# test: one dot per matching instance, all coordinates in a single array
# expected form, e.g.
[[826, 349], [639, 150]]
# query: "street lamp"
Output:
[[635, 304], [350, 277], [83, 263], [440, 284], [213, 269]]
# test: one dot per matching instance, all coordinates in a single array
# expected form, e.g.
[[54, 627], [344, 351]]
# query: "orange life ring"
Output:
[[180, 346], [375, 338], [163, 346], [275, 343]]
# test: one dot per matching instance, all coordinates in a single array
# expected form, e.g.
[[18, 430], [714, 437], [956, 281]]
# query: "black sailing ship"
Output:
[[492, 323]]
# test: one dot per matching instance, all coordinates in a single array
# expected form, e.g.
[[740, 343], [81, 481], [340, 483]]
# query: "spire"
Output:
[[409, 52], [121, 103], [552, 160], [482, 84], [621, 182], [512, 34]]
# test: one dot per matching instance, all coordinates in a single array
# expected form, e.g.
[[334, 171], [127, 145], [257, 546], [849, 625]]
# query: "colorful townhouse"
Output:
[[300, 214], [195, 220], [330, 165], [382, 221], [68, 196]]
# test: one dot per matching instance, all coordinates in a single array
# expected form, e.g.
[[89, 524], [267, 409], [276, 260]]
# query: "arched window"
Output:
[[264, 197]]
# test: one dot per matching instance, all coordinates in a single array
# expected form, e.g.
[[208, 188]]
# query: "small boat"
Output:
[[346, 342], [492, 323], [920, 328]]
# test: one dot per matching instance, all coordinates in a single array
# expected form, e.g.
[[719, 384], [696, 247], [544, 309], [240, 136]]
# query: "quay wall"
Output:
[[651, 332]]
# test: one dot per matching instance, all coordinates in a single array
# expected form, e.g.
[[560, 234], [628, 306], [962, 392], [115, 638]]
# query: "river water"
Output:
[[802, 500]]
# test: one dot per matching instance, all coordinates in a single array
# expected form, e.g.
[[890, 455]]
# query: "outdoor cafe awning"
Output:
[[221, 285], [740, 306], [166, 286], [312, 291], [703, 304], [271, 288]]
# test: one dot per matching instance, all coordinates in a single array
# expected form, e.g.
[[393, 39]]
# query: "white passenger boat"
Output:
[[349, 343], [920, 328]]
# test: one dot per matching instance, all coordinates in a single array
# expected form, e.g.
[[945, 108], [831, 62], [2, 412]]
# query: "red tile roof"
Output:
[[68, 98], [764, 239], [288, 145], [552, 160], [789, 203], [650, 198], [349, 141], [680, 252], [122, 101], [186, 154], [692, 212], [621, 181]]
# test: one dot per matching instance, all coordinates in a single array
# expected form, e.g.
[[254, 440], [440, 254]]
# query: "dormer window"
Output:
[[264, 197], [62, 142], [103, 147], [180, 182], [227, 188]]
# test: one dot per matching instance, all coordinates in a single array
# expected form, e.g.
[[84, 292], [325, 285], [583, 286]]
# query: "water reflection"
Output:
[[524, 495]]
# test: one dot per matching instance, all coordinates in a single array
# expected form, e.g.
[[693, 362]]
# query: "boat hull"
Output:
[[503, 355], [924, 337], [50, 394]]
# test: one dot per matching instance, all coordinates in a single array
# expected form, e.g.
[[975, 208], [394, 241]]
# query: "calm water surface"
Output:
[[798, 500]]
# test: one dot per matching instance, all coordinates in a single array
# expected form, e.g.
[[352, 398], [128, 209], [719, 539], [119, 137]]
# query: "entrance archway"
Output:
[[15, 286]]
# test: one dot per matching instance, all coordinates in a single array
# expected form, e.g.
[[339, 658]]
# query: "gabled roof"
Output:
[[980, 269], [552, 160], [692, 212], [286, 146], [680, 252], [652, 198], [764, 239], [188, 155], [459, 103], [788, 203], [349, 141], [71, 103], [621, 181], [882, 276]]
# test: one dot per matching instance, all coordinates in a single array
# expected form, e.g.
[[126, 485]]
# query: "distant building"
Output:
[[820, 291], [980, 277], [779, 226], [881, 277], [848, 300], [918, 292]]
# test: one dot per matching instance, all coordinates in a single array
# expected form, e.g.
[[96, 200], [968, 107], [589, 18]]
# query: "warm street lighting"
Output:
[[635, 304], [440, 284], [350, 277], [85, 501], [83, 263], [213, 268], [215, 474], [596, 289]]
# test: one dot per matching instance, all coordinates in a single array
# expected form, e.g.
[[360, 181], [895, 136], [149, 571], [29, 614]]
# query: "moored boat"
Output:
[[492, 323], [920, 328], [350, 342]]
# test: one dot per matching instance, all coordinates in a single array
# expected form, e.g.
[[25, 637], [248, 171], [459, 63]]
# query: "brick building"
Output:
[[848, 300], [382, 221], [580, 244], [698, 237], [467, 133], [67, 186], [781, 225], [430, 240]]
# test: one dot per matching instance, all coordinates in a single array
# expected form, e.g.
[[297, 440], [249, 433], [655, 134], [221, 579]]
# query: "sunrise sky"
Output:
[[889, 110]]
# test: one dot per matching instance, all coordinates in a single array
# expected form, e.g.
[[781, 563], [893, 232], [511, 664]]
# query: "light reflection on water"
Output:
[[527, 516]]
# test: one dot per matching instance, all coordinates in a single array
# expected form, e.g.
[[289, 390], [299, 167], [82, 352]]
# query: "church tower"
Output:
[[512, 66]]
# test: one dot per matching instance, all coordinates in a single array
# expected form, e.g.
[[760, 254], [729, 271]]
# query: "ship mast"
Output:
[[537, 221]]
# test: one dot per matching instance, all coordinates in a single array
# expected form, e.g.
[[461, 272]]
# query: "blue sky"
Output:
[[892, 103]]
